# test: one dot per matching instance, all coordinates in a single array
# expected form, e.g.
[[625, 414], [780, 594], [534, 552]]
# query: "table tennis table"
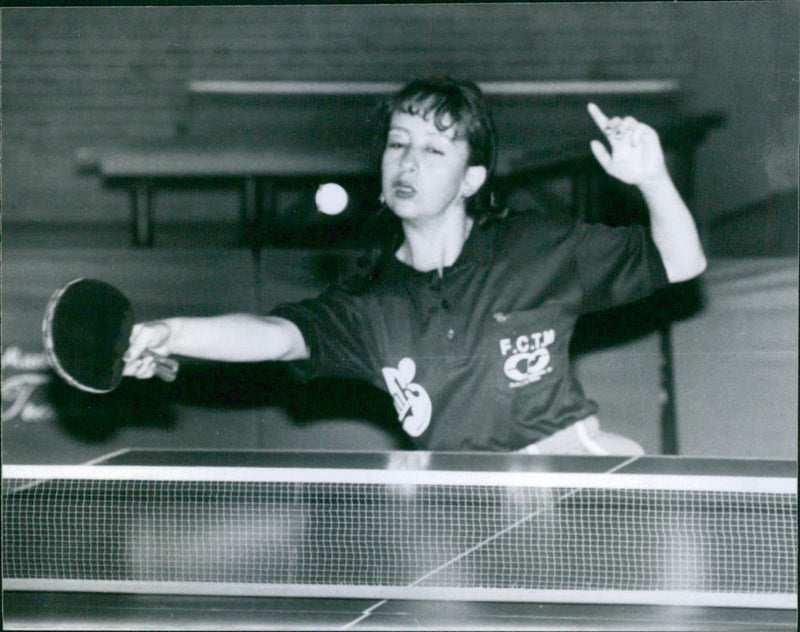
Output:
[[29, 608]]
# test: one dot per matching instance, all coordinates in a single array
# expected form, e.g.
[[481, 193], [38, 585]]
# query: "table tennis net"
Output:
[[407, 539]]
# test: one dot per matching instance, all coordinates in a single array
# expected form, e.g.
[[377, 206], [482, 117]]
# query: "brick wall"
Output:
[[93, 76]]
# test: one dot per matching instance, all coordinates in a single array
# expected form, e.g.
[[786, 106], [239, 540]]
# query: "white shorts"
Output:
[[585, 438]]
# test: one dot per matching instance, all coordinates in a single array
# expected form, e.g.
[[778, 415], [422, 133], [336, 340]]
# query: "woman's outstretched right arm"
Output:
[[227, 338]]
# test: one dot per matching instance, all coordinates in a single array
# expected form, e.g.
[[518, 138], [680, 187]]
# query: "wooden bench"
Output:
[[255, 174], [532, 115]]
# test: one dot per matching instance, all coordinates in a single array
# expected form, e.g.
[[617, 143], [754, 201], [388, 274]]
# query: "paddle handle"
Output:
[[166, 368]]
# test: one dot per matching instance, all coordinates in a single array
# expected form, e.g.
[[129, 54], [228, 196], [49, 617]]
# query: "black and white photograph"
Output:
[[400, 316]]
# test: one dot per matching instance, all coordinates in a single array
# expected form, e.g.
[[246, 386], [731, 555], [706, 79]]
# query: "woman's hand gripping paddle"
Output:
[[86, 331]]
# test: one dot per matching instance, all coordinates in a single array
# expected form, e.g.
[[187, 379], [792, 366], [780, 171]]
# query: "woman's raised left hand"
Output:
[[636, 156]]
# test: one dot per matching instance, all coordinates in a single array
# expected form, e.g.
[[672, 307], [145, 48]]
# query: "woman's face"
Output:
[[424, 169]]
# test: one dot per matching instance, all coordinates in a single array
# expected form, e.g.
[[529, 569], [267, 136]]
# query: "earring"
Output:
[[382, 198]]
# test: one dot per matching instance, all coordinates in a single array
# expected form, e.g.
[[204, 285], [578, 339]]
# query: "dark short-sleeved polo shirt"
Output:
[[478, 359]]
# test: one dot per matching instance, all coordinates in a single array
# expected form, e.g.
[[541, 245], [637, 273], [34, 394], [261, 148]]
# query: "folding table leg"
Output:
[[258, 199], [141, 214], [669, 422], [250, 210]]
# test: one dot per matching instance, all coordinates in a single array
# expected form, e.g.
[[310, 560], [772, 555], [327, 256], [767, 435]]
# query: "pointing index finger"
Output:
[[597, 115]]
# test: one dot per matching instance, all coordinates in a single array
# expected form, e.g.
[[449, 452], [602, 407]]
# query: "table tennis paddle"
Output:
[[86, 330]]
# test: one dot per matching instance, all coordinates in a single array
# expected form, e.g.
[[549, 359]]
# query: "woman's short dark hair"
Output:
[[449, 102]]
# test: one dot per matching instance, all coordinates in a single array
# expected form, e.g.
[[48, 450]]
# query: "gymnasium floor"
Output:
[[736, 362]]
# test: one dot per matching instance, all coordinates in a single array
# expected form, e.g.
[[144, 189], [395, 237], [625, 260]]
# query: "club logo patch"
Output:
[[527, 357], [411, 401]]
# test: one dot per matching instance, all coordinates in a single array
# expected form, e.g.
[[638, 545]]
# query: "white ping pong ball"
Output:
[[331, 198]]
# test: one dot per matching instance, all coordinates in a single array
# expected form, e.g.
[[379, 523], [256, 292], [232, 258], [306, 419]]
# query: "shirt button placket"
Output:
[[445, 307], [451, 332]]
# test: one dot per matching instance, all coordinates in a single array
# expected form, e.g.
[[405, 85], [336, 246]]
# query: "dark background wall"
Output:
[[94, 76]]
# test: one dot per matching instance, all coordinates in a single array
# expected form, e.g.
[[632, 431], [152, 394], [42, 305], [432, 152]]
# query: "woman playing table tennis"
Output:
[[465, 314]]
